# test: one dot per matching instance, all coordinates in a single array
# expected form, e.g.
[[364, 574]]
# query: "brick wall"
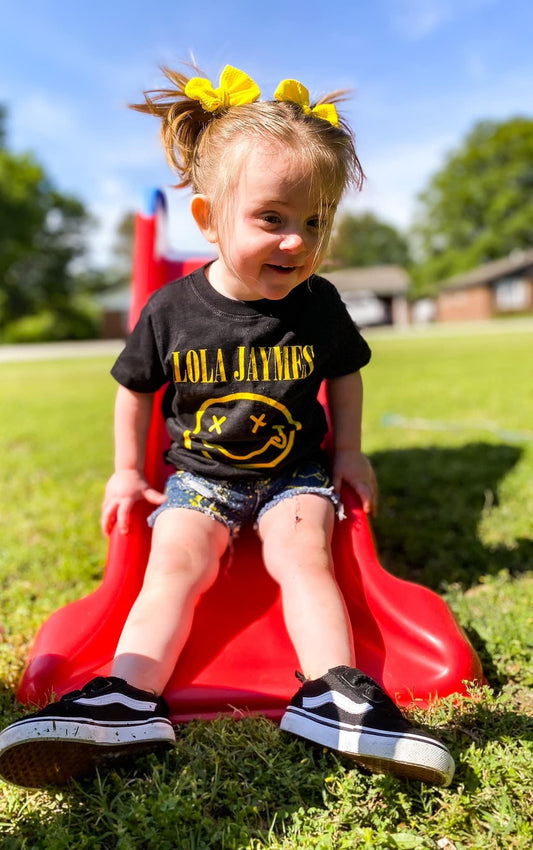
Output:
[[465, 305]]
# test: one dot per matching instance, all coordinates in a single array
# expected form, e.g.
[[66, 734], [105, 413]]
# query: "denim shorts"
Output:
[[237, 503]]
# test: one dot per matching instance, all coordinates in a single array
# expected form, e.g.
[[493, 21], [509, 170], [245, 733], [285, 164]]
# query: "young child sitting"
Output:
[[244, 345]]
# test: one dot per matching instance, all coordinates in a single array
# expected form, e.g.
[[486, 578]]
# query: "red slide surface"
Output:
[[239, 658]]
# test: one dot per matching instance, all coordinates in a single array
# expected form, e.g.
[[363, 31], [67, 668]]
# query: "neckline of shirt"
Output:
[[261, 308]]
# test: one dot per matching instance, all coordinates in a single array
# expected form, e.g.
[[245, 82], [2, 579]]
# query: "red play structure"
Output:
[[239, 658]]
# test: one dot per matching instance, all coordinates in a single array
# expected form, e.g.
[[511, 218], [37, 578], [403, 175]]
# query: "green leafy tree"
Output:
[[479, 206], [42, 235], [364, 240]]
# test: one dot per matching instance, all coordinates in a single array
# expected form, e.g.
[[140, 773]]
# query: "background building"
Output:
[[491, 290], [374, 295]]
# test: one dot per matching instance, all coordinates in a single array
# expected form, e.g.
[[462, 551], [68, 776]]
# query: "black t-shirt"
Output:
[[243, 375]]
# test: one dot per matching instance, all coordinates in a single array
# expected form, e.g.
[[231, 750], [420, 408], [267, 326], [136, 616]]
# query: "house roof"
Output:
[[381, 280], [517, 261]]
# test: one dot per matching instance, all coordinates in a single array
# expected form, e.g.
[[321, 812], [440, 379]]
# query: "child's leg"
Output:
[[184, 558], [338, 706], [296, 535], [121, 714]]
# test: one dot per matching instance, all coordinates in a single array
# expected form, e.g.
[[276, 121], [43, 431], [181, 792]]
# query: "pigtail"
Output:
[[338, 96], [183, 122], [356, 175], [204, 131]]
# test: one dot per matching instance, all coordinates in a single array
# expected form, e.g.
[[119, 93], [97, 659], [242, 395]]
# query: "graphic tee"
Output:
[[243, 376]]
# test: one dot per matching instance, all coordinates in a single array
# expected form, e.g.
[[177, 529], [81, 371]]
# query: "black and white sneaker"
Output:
[[347, 711], [67, 739]]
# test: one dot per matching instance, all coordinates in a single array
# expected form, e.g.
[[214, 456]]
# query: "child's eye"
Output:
[[271, 218], [317, 223]]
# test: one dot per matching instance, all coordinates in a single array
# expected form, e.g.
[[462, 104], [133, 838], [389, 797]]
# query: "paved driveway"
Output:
[[60, 350]]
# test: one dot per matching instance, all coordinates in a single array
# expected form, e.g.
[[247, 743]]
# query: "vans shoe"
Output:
[[104, 720], [347, 711]]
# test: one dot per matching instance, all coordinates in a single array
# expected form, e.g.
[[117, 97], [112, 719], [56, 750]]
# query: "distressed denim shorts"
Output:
[[237, 503]]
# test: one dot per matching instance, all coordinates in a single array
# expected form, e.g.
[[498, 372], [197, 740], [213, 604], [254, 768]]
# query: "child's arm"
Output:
[[345, 401], [127, 484]]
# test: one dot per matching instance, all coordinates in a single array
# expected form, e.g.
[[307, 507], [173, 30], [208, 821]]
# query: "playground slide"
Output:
[[238, 658]]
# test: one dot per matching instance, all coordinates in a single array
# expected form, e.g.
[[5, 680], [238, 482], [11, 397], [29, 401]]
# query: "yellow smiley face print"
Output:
[[249, 430]]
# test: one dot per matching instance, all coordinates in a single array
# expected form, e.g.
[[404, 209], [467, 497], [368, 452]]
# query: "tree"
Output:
[[42, 234], [363, 240], [479, 206], [123, 248]]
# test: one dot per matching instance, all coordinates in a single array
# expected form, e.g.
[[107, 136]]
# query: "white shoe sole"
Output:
[[36, 753], [412, 756]]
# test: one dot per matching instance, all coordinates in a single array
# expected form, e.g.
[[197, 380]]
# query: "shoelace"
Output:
[[92, 687]]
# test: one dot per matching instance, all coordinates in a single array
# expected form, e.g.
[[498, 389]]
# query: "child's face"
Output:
[[272, 235]]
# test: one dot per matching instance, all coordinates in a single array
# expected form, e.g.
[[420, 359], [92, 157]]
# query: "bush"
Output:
[[80, 322]]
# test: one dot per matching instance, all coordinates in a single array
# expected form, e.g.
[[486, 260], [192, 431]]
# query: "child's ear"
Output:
[[201, 211]]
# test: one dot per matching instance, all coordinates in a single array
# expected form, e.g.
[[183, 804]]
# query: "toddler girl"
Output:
[[244, 345]]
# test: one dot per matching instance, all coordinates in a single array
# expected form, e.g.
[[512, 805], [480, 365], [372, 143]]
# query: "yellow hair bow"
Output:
[[295, 92], [235, 89]]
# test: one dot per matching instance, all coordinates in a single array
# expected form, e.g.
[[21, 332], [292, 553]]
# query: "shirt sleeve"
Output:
[[139, 367], [349, 350]]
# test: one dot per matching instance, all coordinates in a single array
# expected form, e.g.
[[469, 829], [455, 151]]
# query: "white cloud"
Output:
[[51, 119], [112, 199], [129, 152], [477, 66], [399, 164], [396, 173], [416, 19], [40, 121]]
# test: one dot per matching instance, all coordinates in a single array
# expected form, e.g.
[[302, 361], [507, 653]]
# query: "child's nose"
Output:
[[292, 241]]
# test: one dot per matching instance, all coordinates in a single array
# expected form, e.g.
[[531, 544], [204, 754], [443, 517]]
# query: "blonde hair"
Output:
[[206, 148]]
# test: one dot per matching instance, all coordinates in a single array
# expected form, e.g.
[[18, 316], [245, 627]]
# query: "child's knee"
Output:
[[182, 558], [305, 553]]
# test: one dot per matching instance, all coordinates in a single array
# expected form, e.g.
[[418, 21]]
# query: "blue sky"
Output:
[[422, 73]]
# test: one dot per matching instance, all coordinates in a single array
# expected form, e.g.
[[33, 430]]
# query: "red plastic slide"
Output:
[[238, 658]]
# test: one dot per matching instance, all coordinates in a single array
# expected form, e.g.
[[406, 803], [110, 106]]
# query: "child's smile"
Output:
[[271, 236], [282, 269]]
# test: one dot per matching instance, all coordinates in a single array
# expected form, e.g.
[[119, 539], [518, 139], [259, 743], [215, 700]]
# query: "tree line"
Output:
[[47, 286], [478, 207]]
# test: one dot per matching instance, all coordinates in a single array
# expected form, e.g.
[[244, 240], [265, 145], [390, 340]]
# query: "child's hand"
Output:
[[123, 489], [355, 469]]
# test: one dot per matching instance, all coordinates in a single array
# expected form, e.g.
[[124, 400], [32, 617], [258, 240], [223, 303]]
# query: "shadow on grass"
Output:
[[222, 787], [476, 728], [229, 784], [432, 500], [244, 784]]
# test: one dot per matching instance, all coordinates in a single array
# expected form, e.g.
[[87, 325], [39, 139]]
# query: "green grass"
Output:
[[448, 425]]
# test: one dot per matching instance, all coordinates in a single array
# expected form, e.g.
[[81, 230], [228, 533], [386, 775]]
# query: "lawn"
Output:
[[448, 424]]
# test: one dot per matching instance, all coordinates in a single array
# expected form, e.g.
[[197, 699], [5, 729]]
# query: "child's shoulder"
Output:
[[322, 287]]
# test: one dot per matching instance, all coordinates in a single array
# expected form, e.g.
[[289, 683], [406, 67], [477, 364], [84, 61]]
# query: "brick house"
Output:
[[494, 289], [115, 308]]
